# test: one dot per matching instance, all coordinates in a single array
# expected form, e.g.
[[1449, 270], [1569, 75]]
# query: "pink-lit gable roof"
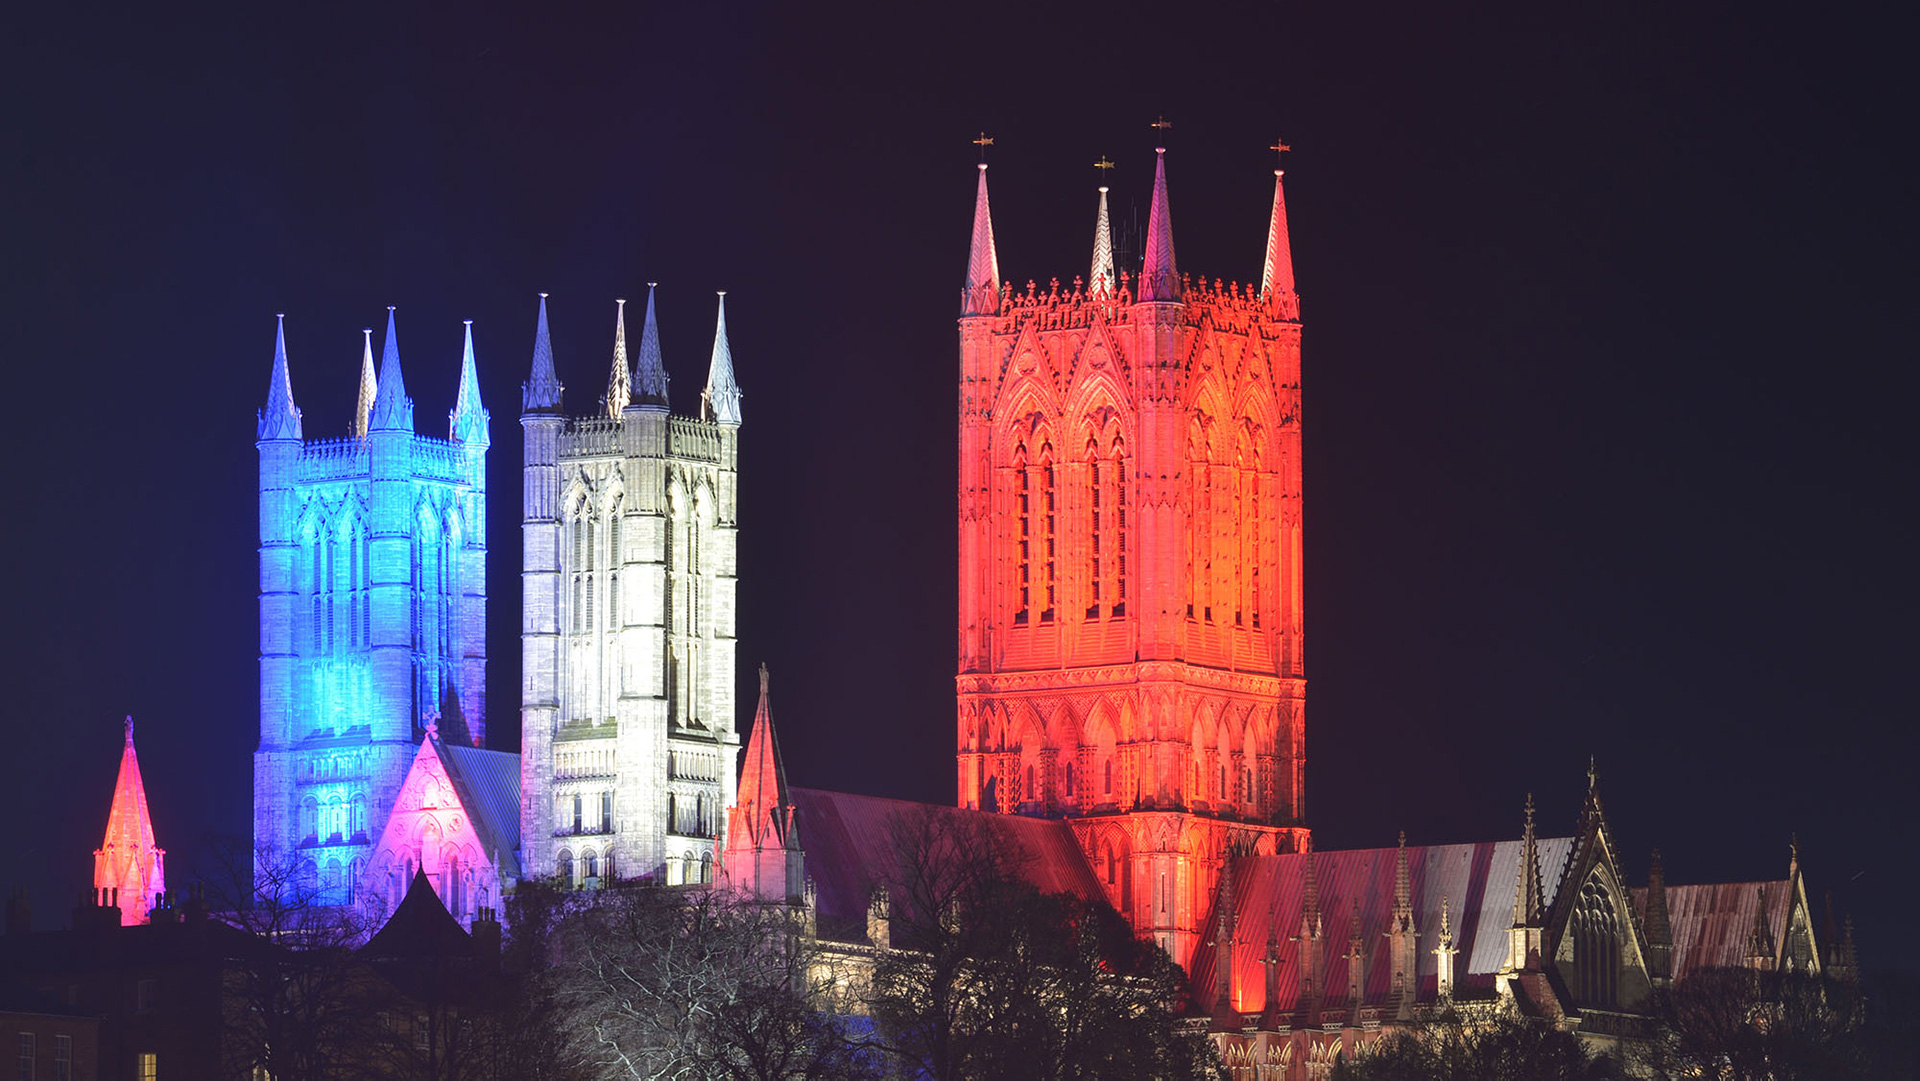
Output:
[[487, 784], [850, 844], [1711, 923], [1478, 880]]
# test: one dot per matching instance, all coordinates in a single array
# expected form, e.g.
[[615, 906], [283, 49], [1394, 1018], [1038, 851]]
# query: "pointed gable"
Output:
[[456, 820]]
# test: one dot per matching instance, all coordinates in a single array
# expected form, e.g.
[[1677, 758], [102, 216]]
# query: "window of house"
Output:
[[63, 1058], [26, 1056], [576, 813], [149, 1066], [606, 812]]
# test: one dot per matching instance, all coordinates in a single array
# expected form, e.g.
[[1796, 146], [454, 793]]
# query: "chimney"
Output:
[[19, 913], [486, 940]]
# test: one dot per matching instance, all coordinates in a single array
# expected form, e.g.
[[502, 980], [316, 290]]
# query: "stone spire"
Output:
[[1401, 934], [649, 372], [392, 409], [1312, 955], [1658, 927], [762, 855], [1529, 903], [467, 420], [1760, 944], [1223, 935], [1101, 280], [1276, 278], [369, 387], [720, 402], [279, 418], [541, 392], [128, 867], [619, 391], [1159, 276], [1443, 955], [1356, 967], [981, 293]]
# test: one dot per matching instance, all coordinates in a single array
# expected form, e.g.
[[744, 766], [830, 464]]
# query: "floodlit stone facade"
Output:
[[628, 744]]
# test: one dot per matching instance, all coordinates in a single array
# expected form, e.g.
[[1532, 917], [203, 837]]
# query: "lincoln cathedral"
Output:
[[1130, 691]]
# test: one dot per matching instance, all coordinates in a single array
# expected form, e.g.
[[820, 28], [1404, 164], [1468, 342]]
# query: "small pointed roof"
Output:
[[1159, 276], [467, 420], [420, 927], [1101, 280], [541, 392], [1529, 901], [369, 387], [763, 810], [981, 293], [619, 391], [392, 409], [127, 859], [1658, 925], [649, 372], [1277, 275], [279, 418], [1310, 923], [721, 400], [1402, 889]]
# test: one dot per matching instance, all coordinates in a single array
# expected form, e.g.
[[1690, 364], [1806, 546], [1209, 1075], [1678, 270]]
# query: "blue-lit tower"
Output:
[[373, 611]]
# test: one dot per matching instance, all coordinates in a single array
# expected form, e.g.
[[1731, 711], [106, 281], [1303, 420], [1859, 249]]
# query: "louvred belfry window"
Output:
[[1047, 523], [1023, 507]]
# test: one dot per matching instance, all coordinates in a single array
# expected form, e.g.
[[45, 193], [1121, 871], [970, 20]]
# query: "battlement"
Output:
[[693, 439], [349, 457], [1226, 305]]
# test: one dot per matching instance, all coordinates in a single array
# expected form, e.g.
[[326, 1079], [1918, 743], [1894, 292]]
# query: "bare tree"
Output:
[[1744, 1025], [653, 982]]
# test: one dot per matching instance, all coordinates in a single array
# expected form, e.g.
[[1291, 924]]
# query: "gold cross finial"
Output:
[[1162, 124], [1280, 147], [983, 141]]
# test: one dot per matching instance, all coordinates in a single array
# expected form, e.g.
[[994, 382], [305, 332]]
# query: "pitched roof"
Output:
[[1479, 880], [420, 927], [1711, 923], [488, 784], [851, 844]]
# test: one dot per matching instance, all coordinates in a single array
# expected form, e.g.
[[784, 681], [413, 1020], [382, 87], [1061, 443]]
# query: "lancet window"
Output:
[[1048, 535], [1596, 945], [1023, 511], [1107, 531]]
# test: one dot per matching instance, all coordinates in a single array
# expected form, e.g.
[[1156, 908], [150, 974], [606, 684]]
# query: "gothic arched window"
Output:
[[589, 865], [1048, 536], [1023, 508], [1108, 770], [563, 869], [1119, 483], [1596, 945]]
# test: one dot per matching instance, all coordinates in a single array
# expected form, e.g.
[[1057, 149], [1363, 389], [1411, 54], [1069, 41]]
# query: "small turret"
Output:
[[649, 371], [1223, 935], [1402, 935], [1101, 280], [392, 409], [1761, 949], [1526, 934], [369, 387], [279, 418], [1312, 953], [1159, 276], [1658, 926], [1356, 968], [720, 402], [980, 295], [619, 386], [467, 420], [1443, 955], [541, 392]]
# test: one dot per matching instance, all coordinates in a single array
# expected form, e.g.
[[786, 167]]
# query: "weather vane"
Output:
[[1279, 149], [983, 141], [1161, 124], [1103, 164]]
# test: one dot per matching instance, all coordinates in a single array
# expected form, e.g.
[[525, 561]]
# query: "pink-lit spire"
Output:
[[1277, 276], [619, 388], [128, 863], [280, 418], [762, 815], [1159, 277], [981, 295], [369, 386], [1102, 279]]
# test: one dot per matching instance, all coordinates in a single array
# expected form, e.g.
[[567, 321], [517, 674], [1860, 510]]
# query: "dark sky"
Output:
[[1608, 369]]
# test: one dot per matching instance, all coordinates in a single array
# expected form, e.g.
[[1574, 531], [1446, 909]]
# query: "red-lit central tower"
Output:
[[1130, 563]]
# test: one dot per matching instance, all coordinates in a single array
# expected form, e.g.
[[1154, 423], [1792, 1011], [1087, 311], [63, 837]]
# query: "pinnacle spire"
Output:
[[279, 418], [127, 861], [392, 409], [619, 390], [1310, 908], [649, 372], [369, 387], [541, 392], [1529, 904], [1276, 278], [721, 400], [467, 420], [1159, 276], [761, 820], [1102, 280], [981, 293], [1402, 886]]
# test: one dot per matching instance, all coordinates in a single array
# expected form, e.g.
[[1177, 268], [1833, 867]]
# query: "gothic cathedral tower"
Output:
[[629, 530], [373, 611], [1130, 564]]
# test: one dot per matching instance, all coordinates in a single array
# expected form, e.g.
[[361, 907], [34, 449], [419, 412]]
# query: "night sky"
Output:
[[1608, 370]]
